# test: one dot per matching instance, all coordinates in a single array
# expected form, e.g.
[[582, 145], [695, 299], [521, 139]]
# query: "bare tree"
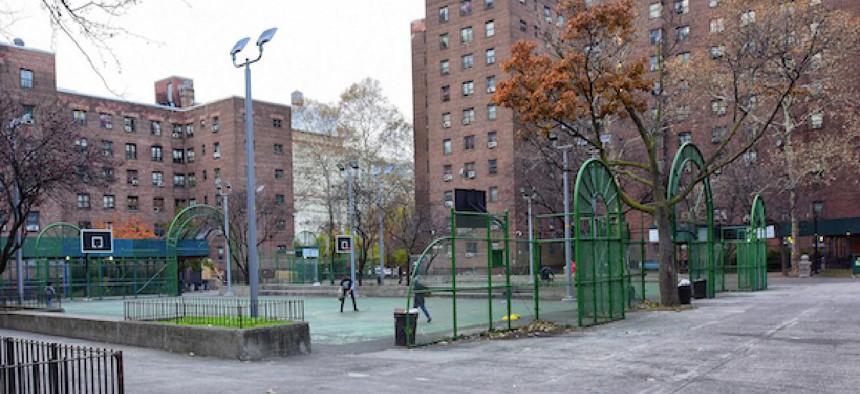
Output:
[[271, 225], [42, 157]]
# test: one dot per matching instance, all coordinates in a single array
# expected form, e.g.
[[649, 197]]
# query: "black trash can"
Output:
[[700, 288], [684, 293], [404, 335]]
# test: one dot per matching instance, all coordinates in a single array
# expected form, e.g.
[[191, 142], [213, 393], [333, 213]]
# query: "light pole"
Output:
[[568, 255], [817, 207], [528, 195], [354, 166], [224, 189], [380, 172], [253, 258]]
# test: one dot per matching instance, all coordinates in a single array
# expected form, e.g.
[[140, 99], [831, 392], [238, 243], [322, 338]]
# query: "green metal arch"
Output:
[[180, 221], [601, 293], [689, 153], [42, 255], [752, 272], [51, 227]]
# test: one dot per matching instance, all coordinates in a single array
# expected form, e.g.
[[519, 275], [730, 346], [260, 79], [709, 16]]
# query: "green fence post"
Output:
[[454, 270]]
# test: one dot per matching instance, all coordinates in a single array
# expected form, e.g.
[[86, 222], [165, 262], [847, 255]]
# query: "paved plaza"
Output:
[[800, 336]]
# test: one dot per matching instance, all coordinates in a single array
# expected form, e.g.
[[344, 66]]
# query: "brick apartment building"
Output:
[[463, 142], [170, 152]]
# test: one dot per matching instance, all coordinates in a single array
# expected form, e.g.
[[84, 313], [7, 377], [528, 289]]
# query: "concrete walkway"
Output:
[[801, 336]]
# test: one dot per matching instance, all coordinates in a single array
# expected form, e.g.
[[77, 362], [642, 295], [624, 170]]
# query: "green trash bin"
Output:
[[856, 269]]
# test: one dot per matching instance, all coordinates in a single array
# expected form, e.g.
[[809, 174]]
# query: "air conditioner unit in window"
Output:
[[32, 227], [135, 182], [449, 204], [470, 174], [492, 144], [470, 255], [216, 155], [447, 177], [156, 209]]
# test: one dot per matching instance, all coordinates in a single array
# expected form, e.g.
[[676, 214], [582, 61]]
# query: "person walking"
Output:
[[346, 286], [419, 290], [49, 293]]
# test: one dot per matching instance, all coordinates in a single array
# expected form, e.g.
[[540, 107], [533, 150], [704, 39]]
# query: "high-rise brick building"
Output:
[[170, 152], [463, 142]]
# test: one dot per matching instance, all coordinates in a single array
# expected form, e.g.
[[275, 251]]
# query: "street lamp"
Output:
[[224, 189], [354, 166], [379, 172], [568, 254], [817, 207], [253, 258], [528, 195]]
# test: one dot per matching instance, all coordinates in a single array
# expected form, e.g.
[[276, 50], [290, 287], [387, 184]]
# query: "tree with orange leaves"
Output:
[[130, 228], [590, 85]]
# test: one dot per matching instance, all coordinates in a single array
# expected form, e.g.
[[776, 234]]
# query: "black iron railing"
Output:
[[220, 312], [28, 366]]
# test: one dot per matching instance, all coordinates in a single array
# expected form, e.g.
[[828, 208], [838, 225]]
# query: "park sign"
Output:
[[344, 244], [96, 241]]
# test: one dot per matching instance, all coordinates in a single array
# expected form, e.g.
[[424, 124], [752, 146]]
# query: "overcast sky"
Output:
[[320, 48]]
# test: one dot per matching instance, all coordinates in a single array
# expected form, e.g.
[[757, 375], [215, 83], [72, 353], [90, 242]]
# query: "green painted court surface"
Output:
[[375, 319]]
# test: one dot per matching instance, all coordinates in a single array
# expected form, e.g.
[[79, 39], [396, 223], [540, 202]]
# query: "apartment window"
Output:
[[157, 178], [717, 25], [28, 114], [443, 15], [82, 144], [470, 169], [281, 225], [107, 148], [445, 67], [468, 116], [26, 78], [494, 194], [655, 10], [129, 124], [155, 127], [465, 7], [132, 202], [108, 201], [468, 88], [130, 151], [446, 147], [108, 173], [131, 177], [682, 6], [280, 199], [816, 121], [216, 150], [469, 142], [683, 112], [491, 112], [178, 156], [83, 201], [747, 17], [684, 57], [277, 123], [493, 166], [33, 221], [653, 62], [205, 175], [446, 93], [655, 36], [217, 173], [466, 35], [79, 117], [178, 180], [192, 179], [488, 4], [547, 14], [189, 130], [443, 41], [491, 56], [491, 84], [682, 33], [713, 3], [492, 139], [202, 124], [490, 28], [106, 121], [471, 249], [467, 61], [158, 203], [684, 137], [718, 51], [813, 2], [446, 169], [718, 107], [718, 134], [156, 153], [279, 149], [279, 173], [750, 157], [177, 131], [216, 125], [446, 120], [523, 25], [189, 155]]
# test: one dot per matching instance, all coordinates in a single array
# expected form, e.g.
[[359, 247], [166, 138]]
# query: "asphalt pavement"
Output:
[[799, 336]]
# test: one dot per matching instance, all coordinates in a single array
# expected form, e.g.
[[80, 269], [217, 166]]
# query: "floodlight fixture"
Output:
[[266, 36], [239, 46]]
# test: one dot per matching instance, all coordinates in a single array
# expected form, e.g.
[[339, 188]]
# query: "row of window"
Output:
[[469, 170], [130, 124], [469, 88], [133, 202], [492, 196], [469, 143], [467, 61], [179, 179], [180, 156], [469, 116], [465, 9]]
